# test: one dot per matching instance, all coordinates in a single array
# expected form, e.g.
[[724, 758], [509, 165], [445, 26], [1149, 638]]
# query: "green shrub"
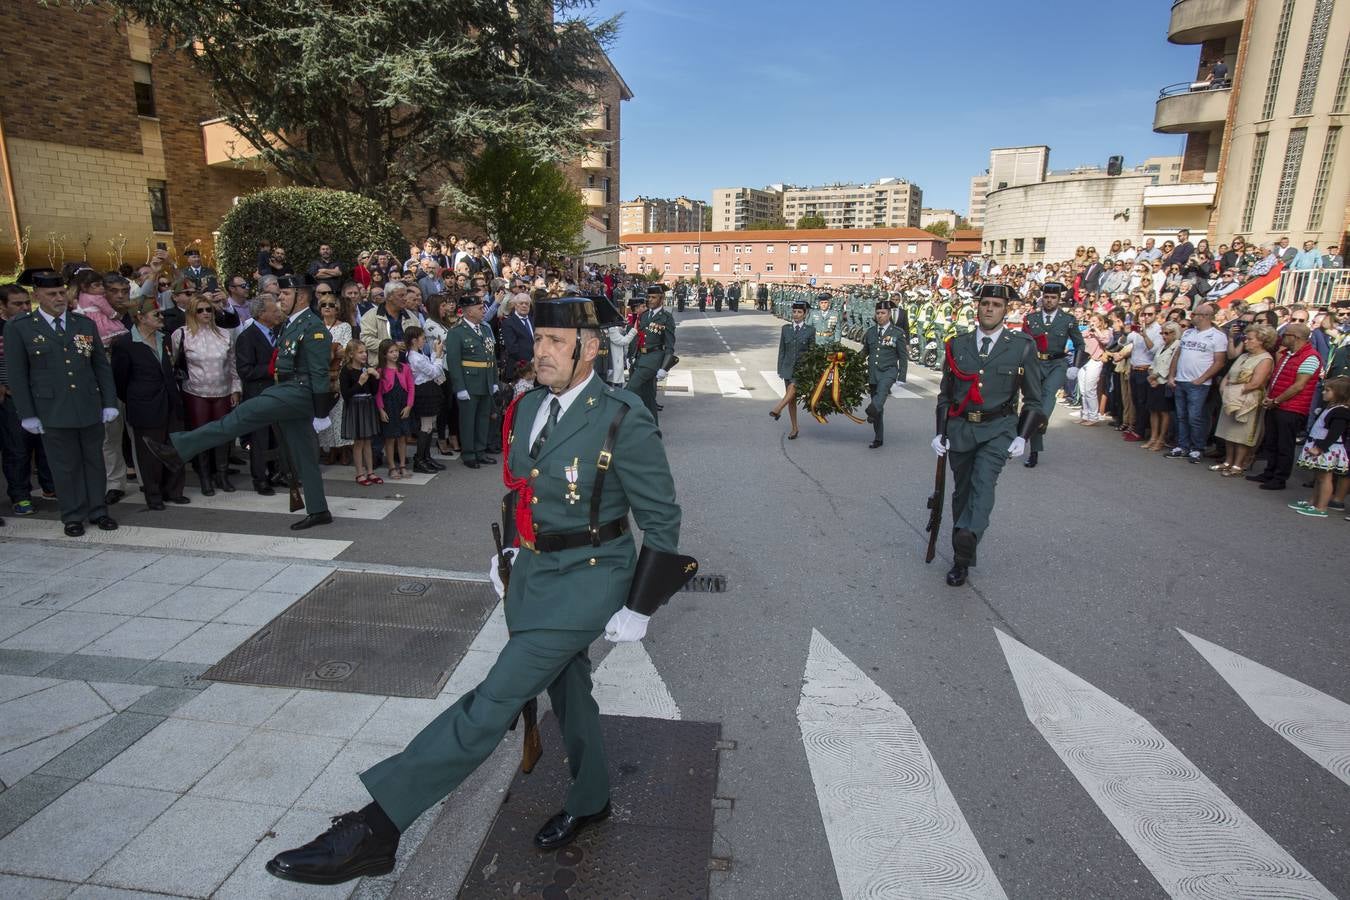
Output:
[[300, 219]]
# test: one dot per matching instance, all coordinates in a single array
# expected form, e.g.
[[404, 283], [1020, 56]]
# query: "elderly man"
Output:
[[388, 321], [1116, 279], [1227, 284], [1289, 399]]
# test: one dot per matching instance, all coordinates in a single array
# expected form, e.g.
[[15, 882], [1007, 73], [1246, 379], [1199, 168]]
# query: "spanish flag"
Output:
[[1257, 290]]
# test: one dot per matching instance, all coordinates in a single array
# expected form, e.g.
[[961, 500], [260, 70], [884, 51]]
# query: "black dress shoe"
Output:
[[165, 453], [113, 496], [420, 467], [488, 460], [156, 505], [1272, 485], [1260, 476], [563, 828], [180, 500], [435, 464], [874, 445], [222, 480], [105, 523], [347, 850], [472, 464], [956, 575], [277, 480], [74, 529], [309, 521], [262, 487], [1032, 458]]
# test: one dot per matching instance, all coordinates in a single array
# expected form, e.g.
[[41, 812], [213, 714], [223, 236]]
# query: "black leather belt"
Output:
[[554, 543], [300, 379], [985, 415], [1049, 356]]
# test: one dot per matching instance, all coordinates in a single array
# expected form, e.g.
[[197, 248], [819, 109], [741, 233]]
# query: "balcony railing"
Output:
[[1191, 106], [594, 197], [1197, 21]]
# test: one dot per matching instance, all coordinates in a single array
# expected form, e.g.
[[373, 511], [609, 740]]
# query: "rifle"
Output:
[[532, 745], [935, 503], [292, 476]]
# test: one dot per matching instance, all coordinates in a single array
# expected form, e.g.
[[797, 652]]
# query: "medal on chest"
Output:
[[571, 472]]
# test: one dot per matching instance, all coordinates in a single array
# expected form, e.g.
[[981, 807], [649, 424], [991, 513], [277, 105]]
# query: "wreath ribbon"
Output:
[[833, 378]]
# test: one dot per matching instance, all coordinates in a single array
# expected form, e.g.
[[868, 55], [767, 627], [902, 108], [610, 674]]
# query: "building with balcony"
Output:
[[930, 216], [650, 214], [1267, 133], [885, 203], [735, 208], [597, 172]]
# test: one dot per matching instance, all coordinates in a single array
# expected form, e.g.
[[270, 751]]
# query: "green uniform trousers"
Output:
[[642, 381], [975, 473], [75, 456], [880, 392], [1053, 374], [457, 741], [290, 407], [474, 421]]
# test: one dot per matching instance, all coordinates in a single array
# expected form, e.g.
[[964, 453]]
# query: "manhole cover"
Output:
[[365, 634]]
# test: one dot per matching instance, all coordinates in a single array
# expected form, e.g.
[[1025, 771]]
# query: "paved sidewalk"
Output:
[[122, 775]]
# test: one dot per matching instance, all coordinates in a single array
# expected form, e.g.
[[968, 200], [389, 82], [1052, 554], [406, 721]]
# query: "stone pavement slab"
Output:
[[41, 559], [64, 632], [398, 719], [235, 704], [114, 564], [17, 887], [120, 696], [17, 618], [258, 608], [46, 712], [250, 880], [338, 788], [174, 756], [51, 592], [177, 569], [209, 644], [242, 574], [128, 598], [197, 602], [325, 713], [21, 761], [142, 638], [14, 686], [100, 746], [269, 767]]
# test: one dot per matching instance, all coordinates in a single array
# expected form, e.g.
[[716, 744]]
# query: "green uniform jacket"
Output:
[[791, 345], [580, 589], [1058, 327], [1338, 360], [884, 354], [829, 325], [304, 349], [64, 382], [658, 341], [998, 378], [470, 357]]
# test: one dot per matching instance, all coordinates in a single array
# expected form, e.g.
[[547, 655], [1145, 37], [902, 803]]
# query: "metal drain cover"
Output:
[[365, 634]]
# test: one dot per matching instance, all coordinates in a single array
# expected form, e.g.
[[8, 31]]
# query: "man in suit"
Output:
[[253, 360], [573, 576], [63, 389], [885, 345], [194, 268], [518, 333], [1053, 330], [298, 402], [656, 347], [984, 375], [471, 360], [491, 259], [794, 339]]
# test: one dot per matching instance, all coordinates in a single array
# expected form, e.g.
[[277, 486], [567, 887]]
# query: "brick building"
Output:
[[829, 256]]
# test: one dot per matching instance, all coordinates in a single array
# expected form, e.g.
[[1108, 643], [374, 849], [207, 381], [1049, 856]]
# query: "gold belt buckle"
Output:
[[975, 415], [528, 545]]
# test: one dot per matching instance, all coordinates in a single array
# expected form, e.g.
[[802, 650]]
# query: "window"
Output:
[[911, 248], [687, 251], [853, 268], [608, 124], [667, 267], [667, 249], [1293, 161], [893, 248], [792, 267], [1002, 246], [609, 158], [768, 267], [717, 248], [1254, 180], [1019, 245], [892, 268], [792, 248], [801, 267], [1038, 245], [1343, 86], [1319, 199], [717, 267], [748, 268], [1277, 60], [867, 268], [829, 248], [145, 90], [852, 248], [768, 248], [867, 248], [607, 191], [159, 205], [829, 268], [686, 267], [1312, 57], [736, 268]]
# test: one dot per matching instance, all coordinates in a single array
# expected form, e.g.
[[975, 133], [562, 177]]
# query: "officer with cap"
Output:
[[827, 321], [656, 347], [1053, 330], [471, 359], [580, 457], [62, 385], [297, 403], [984, 375], [886, 348]]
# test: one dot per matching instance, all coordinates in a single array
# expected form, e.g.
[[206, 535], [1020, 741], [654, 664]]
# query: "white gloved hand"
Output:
[[462, 395], [321, 424], [614, 332], [939, 445], [660, 374], [1071, 375], [495, 388], [32, 426], [496, 578], [626, 625], [109, 413], [1017, 447]]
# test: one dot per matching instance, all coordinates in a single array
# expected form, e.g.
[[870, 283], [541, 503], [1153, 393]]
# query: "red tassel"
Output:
[[973, 378], [522, 487]]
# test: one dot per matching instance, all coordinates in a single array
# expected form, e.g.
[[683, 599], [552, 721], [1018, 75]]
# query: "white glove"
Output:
[[109, 413], [661, 373], [32, 426], [939, 445], [614, 332], [1017, 447], [1071, 375], [626, 625], [462, 395], [494, 577], [321, 424], [495, 388]]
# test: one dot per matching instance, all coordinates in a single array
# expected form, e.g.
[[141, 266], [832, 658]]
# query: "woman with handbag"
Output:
[[1241, 392], [204, 362]]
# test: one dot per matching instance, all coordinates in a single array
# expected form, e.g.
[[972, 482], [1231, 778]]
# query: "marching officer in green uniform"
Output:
[[984, 375], [827, 321], [297, 404], [1053, 330], [656, 350], [471, 358], [63, 389], [884, 345], [794, 339], [573, 577]]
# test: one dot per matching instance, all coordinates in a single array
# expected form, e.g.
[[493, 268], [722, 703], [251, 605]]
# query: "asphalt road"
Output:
[[1094, 560]]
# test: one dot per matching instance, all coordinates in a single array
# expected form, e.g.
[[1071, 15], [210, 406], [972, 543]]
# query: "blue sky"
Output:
[[752, 91]]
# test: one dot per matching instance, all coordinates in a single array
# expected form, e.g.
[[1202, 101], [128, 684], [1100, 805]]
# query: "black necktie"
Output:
[[554, 407], [59, 327], [984, 345]]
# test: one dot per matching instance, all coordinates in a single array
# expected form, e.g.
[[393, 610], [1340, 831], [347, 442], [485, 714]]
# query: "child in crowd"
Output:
[[1324, 451], [524, 377], [357, 383], [394, 400]]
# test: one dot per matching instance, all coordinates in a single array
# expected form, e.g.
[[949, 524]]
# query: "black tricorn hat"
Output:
[[885, 304], [606, 311], [298, 280], [1004, 292], [567, 312], [1053, 287], [801, 304], [470, 300], [656, 287], [823, 296], [42, 278]]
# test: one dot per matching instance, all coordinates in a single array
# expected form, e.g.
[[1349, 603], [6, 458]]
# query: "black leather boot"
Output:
[[203, 470], [423, 451]]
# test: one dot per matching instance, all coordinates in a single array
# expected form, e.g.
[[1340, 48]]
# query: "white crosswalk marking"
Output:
[[248, 501], [678, 382], [183, 539], [347, 473], [905, 393], [1312, 721], [1190, 835], [730, 384], [775, 383], [894, 828], [627, 684]]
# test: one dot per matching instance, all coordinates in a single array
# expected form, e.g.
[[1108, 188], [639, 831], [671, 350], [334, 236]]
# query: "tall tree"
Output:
[[388, 98], [522, 202], [774, 224], [812, 220], [940, 228]]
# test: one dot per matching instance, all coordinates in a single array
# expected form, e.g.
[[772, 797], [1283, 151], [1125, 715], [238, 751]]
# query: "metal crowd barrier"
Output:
[[1313, 287]]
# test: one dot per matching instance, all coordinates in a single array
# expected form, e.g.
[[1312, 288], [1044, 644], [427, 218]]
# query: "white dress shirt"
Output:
[[564, 401]]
